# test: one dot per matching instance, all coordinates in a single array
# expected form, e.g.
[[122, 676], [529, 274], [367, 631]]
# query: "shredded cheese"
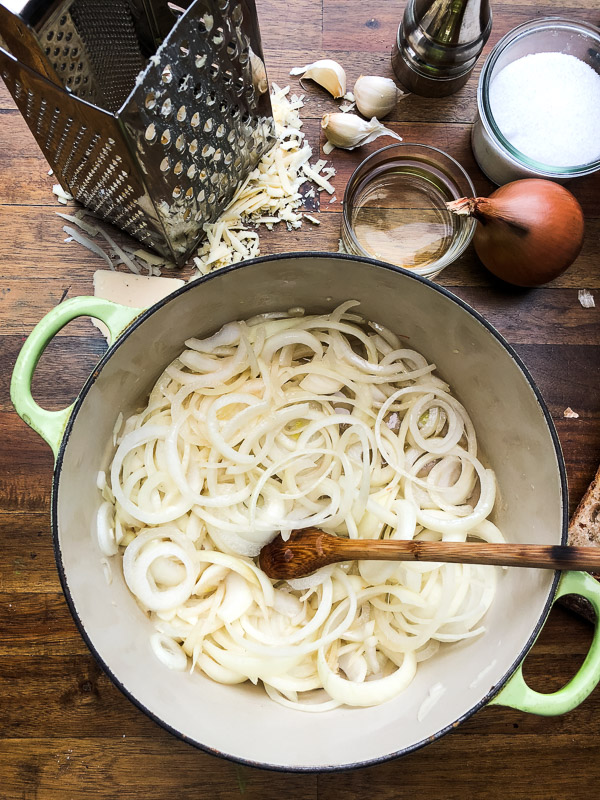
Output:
[[270, 195]]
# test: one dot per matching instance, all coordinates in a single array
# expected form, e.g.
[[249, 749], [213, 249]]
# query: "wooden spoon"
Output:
[[308, 550]]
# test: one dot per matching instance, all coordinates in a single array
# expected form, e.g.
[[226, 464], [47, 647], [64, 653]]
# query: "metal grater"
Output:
[[150, 114]]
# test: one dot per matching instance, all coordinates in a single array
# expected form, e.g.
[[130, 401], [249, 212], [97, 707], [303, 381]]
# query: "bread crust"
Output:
[[584, 531]]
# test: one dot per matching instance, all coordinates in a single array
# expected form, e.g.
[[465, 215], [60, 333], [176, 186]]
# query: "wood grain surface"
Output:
[[65, 730]]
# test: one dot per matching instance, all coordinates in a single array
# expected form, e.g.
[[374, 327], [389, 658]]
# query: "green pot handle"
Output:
[[51, 424], [517, 694]]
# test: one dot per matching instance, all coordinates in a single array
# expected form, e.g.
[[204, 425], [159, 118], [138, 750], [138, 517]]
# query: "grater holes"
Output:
[[178, 169], [211, 99], [166, 108], [166, 75], [228, 77], [195, 120], [198, 89], [231, 136], [218, 154], [165, 165], [218, 37], [228, 159], [221, 131], [214, 70], [223, 5], [193, 148], [177, 192], [184, 83], [150, 133], [201, 196], [184, 48], [200, 61], [180, 142], [181, 114], [240, 87], [189, 194], [150, 101], [165, 139], [211, 198], [186, 214], [60, 36], [207, 151], [231, 49], [50, 36], [205, 25], [191, 171], [208, 125]]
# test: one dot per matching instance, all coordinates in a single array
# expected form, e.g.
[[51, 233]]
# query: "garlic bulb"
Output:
[[349, 131], [375, 96], [326, 73]]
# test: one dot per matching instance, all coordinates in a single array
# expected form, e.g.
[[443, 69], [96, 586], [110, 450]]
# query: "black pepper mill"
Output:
[[438, 44]]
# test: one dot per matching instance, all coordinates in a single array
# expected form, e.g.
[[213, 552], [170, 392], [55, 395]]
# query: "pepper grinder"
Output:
[[438, 44]]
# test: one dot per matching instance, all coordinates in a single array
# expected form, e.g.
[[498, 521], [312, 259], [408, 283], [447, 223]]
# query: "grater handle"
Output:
[[51, 424], [23, 45]]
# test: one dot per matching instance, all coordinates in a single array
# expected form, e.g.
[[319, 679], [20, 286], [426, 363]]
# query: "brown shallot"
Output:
[[529, 232]]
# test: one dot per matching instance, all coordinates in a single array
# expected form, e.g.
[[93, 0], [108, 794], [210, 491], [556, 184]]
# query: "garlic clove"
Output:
[[376, 96], [327, 73], [348, 131]]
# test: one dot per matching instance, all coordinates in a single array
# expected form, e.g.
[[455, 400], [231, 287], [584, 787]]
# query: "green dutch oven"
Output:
[[515, 433]]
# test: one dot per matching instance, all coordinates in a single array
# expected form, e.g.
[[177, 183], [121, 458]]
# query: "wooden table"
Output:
[[66, 731]]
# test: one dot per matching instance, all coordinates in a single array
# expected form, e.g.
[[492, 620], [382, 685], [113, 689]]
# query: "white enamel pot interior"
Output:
[[516, 438]]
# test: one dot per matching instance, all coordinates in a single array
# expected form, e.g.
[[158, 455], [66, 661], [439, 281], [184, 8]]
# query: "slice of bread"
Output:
[[584, 531]]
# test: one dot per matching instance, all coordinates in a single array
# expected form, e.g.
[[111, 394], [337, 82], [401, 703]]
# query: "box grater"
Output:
[[150, 114]]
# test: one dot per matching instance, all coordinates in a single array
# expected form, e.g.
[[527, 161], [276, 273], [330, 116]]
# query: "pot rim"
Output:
[[63, 577]]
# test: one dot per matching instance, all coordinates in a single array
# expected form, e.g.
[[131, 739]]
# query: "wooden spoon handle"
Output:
[[544, 556], [308, 550]]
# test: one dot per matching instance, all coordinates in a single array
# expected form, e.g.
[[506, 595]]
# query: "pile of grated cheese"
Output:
[[271, 193]]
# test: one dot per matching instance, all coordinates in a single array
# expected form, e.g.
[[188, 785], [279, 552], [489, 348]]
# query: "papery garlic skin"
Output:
[[375, 96], [327, 73], [348, 131]]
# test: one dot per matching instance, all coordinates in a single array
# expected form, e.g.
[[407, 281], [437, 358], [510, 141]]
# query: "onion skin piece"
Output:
[[529, 231]]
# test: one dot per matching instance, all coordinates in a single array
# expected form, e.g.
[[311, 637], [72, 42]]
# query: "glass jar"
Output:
[[496, 156], [395, 208]]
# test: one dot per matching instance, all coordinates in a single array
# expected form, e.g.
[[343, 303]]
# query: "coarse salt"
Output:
[[547, 105], [586, 298]]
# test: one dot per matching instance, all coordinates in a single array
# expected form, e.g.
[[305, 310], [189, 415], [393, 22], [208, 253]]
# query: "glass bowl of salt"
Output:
[[539, 103]]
